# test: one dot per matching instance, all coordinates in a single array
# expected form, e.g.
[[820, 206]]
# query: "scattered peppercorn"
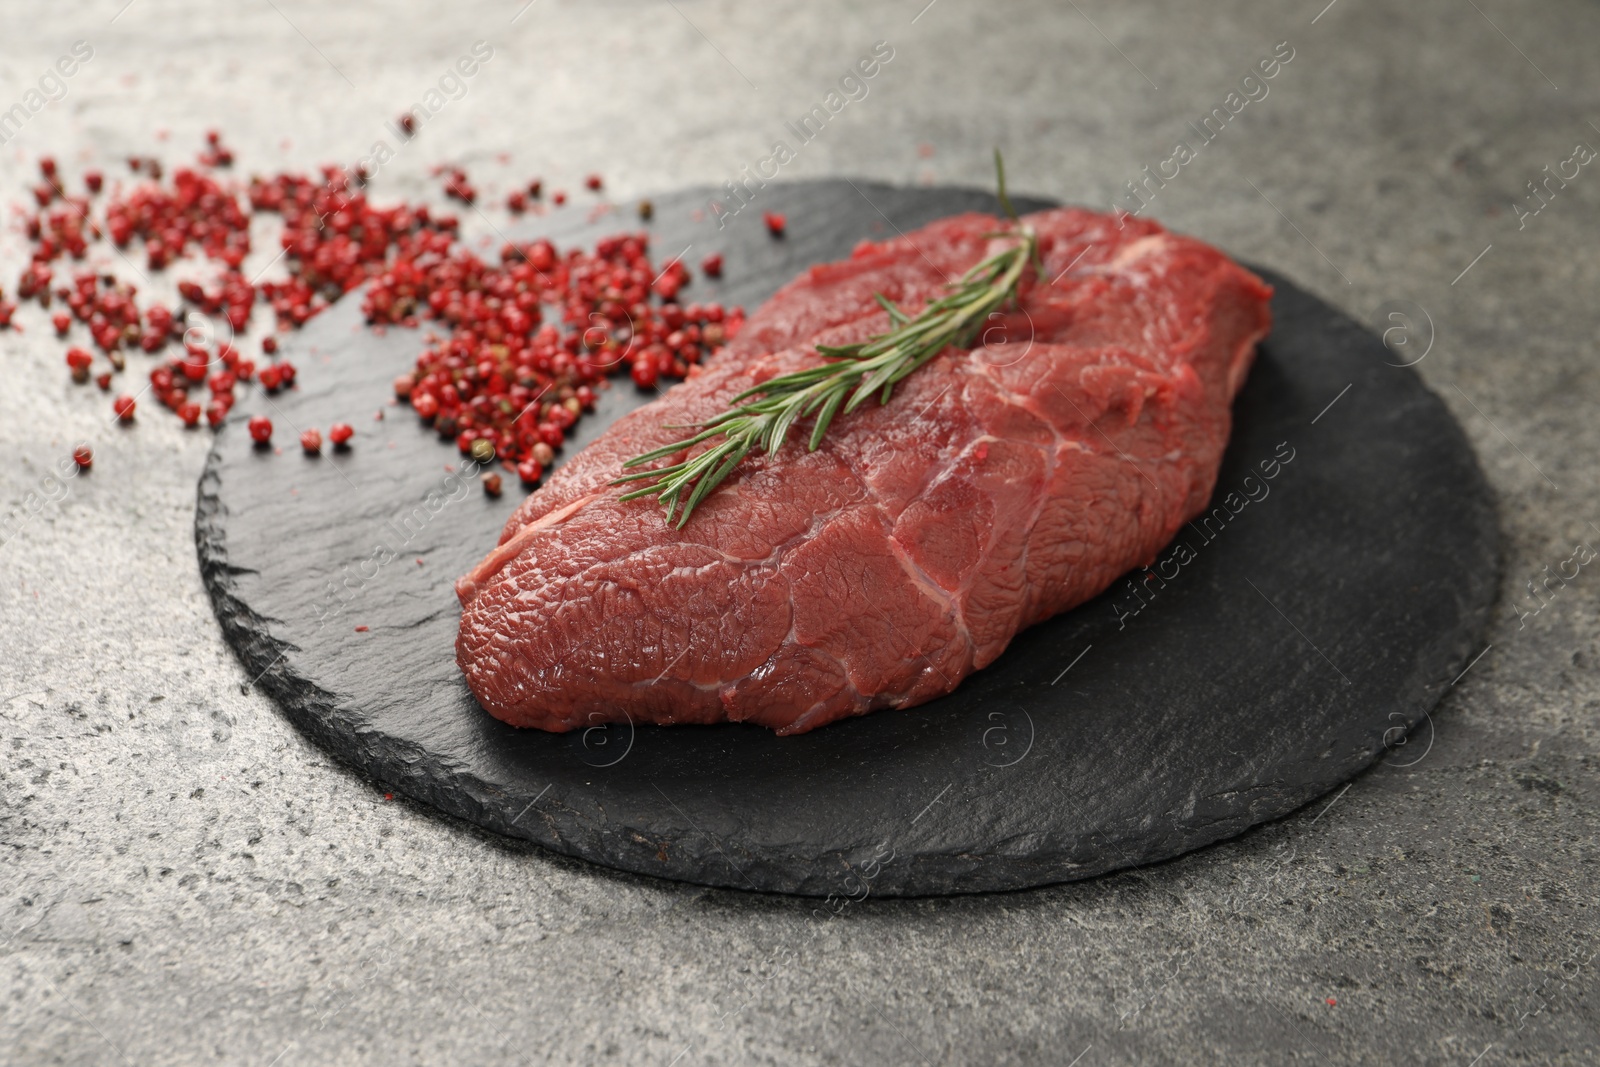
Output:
[[311, 441], [456, 185], [775, 223], [83, 456], [124, 407], [711, 266], [260, 429], [526, 340], [216, 154], [491, 484], [79, 361]]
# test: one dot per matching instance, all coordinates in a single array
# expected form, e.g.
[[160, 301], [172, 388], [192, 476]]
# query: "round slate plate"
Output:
[[1291, 639]]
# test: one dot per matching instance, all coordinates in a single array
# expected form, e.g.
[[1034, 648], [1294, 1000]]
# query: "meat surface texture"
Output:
[[1000, 486]]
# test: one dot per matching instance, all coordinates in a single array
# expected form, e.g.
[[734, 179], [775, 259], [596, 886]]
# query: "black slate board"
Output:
[[1303, 636]]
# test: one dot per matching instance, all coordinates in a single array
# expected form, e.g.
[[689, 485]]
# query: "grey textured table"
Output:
[[185, 879]]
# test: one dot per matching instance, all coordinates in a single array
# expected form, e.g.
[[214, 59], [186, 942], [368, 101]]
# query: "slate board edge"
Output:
[[405, 767]]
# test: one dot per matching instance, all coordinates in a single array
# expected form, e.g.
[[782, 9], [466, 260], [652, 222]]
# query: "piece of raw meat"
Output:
[[999, 486]]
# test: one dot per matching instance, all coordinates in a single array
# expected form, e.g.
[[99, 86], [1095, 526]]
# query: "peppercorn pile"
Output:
[[531, 336], [513, 350]]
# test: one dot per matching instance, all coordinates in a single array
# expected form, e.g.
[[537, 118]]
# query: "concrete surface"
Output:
[[186, 880]]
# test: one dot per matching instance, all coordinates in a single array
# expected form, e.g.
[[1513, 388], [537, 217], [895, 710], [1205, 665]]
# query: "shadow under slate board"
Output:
[[1276, 653]]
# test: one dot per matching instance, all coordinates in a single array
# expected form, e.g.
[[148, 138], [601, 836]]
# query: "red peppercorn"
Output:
[[62, 322], [559, 197], [775, 223], [592, 182], [260, 429], [645, 375], [93, 180], [340, 433], [491, 484], [124, 407], [562, 416], [215, 413], [79, 360], [103, 381], [311, 441], [269, 345], [711, 266], [530, 472], [270, 377], [189, 412], [83, 456], [426, 405]]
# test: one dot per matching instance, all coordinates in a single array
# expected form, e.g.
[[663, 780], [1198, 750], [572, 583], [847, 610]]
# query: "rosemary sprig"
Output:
[[858, 371]]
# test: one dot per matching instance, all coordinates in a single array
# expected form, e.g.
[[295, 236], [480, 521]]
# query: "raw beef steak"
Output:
[[999, 486]]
